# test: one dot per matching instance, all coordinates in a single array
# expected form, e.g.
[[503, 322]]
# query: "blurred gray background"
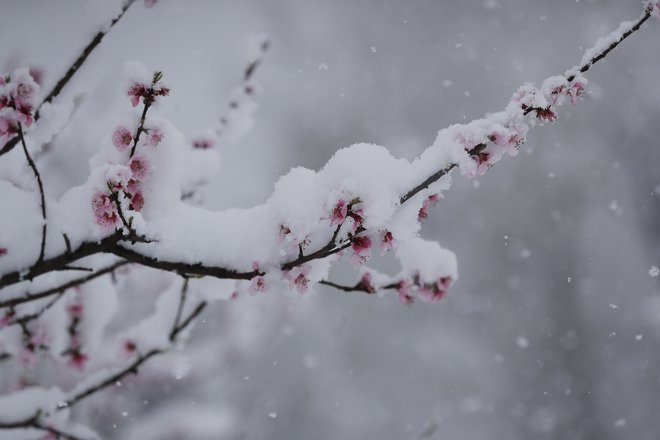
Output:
[[553, 329]]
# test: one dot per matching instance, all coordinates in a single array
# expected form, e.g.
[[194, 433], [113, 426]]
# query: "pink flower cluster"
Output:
[[148, 93], [428, 202], [428, 292], [17, 93], [104, 203]]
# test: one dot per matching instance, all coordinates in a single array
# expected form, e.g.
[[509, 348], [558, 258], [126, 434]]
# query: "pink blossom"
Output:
[[122, 138], [78, 360], [75, 310], [137, 201], [105, 211], [37, 74], [576, 91], [136, 91], [386, 241], [9, 314], [284, 232], [298, 278], [3, 251], [361, 245], [358, 219], [202, 143], [499, 137], [258, 284], [656, 9], [139, 167], [546, 114], [366, 283], [24, 113], [8, 125], [155, 136], [132, 186], [339, 212], [128, 348], [404, 289], [428, 202]]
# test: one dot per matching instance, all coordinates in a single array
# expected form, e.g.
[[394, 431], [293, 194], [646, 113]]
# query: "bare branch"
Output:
[[41, 191]]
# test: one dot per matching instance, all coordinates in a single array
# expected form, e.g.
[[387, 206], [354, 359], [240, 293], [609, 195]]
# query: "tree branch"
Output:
[[71, 72], [41, 191]]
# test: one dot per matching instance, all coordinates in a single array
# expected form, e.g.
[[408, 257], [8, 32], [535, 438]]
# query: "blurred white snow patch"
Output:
[[619, 423], [543, 420], [654, 271], [23, 404], [184, 421], [522, 342]]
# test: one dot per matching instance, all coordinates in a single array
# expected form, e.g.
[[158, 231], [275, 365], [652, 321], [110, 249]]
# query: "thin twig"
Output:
[[179, 310], [41, 191]]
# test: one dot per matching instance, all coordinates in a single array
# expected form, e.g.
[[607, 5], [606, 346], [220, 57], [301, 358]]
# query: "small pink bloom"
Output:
[[576, 91], [37, 74], [3, 251], [298, 278], [301, 282], [546, 114], [202, 143], [136, 91], [361, 245], [8, 316], [499, 137], [122, 138], [405, 292], [75, 310], [234, 295], [128, 349], [358, 219], [155, 137], [285, 231], [386, 241], [105, 211], [8, 125], [139, 167], [78, 361], [366, 283], [258, 284], [163, 91], [137, 201], [431, 293], [339, 213]]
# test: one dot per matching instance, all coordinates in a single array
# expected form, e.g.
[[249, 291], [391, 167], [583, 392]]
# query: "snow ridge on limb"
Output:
[[344, 208]]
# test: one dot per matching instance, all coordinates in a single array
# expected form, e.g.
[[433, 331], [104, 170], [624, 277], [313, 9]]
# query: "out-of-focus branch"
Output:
[[135, 365], [71, 71]]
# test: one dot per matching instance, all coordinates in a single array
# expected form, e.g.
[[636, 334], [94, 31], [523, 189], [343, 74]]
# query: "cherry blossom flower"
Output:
[[428, 202], [137, 201], [339, 212], [546, 114], [285, 231], [139, 167], [128, 348], [75, 310], [122, 138], [431, 293], [386, 241], [357, 217], [202, 143], [136, 91], [78, 360], [155, 136], [3, 251], [366, 283], [298, 278], [105, 211], [404, 289], [361, 245]]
